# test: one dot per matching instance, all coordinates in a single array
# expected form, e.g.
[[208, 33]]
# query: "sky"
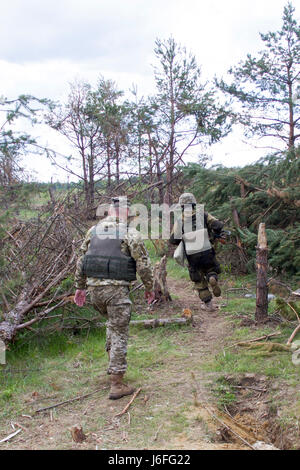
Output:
[[45, 45]]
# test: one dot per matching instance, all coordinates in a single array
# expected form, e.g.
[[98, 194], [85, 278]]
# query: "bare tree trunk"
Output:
[[117, 146], [261, 313], [51, 194], [8, 327], [167, 195], [139, 153], [150, 164], [85, 176], [243, 190], [291, 112], [172, 143], [235, 215], [108, 166], [160, 286], [91, 189], [14, 318], [159, 178], [76, 201], [242, 255]]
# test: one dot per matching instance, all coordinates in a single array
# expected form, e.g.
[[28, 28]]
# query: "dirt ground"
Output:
[[174, 410]]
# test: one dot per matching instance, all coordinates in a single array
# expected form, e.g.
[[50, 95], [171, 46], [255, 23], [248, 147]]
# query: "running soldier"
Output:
[[202, 263]]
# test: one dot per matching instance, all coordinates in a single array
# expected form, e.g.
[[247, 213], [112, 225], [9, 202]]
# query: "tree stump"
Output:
[[52, 195], [160, 286], [78, 434], [261, 313]]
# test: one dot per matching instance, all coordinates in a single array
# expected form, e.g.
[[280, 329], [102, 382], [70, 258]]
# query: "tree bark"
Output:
[[51, 194], [243, 190], [108, 166], [291, 111], [15, 317], [261, 313], [117, 147], [242, 254], [160, 286]]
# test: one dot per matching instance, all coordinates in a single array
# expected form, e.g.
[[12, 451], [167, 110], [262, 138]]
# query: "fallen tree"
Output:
[[152, 323], [14, 318], [36, 257]]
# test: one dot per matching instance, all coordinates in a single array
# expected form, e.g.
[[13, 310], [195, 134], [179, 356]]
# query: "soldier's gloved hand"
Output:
[[80, 297], [150, 297]]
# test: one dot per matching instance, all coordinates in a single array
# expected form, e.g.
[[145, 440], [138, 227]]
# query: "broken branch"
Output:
[[81, 397], [129, 403], [10, 436]]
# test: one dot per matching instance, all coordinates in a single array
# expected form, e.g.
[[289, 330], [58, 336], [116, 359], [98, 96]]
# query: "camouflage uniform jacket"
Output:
[[132, 245]]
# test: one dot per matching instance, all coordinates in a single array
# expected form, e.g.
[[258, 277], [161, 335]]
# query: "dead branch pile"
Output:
[[36, 256]]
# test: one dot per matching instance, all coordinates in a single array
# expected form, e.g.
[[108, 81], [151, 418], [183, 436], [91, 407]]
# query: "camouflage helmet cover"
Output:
[[187, 198], [120, 201]]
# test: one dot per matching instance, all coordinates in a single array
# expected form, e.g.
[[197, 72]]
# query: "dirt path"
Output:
[[169, 413], [207, 337]]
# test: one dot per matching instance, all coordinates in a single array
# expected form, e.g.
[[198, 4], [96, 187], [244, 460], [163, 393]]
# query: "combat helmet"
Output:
[[123, 203], [118, 201], [187, 198]]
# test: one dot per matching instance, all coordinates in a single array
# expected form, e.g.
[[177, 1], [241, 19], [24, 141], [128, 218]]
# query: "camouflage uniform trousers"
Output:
[[113, 303]]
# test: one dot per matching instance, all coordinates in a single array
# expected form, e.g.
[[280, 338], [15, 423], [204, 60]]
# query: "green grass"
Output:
[[179, 421], [174, 270], [27, 206], [72, 365], [40, 362], [67, 365], [246, 280], [243, 306], [47, 363], [279, 365], [224, 393], [235, 359]]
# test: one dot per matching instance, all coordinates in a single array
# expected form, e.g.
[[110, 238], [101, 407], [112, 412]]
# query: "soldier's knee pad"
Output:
[[212, 274]]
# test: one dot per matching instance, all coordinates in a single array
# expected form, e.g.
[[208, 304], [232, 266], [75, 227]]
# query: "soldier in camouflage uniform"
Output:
[[203, 266], [111, 254]]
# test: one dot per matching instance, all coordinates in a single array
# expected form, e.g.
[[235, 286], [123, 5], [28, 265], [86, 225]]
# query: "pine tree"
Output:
[[14, 144], [186, 110], [267, 87], [267, 191]]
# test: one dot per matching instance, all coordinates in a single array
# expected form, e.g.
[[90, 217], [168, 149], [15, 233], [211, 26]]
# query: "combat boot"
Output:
[[118, 388], [213, 282], [209, 306]]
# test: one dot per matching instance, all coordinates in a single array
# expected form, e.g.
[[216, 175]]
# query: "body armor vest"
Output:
[[104, 258], [197, 240]]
